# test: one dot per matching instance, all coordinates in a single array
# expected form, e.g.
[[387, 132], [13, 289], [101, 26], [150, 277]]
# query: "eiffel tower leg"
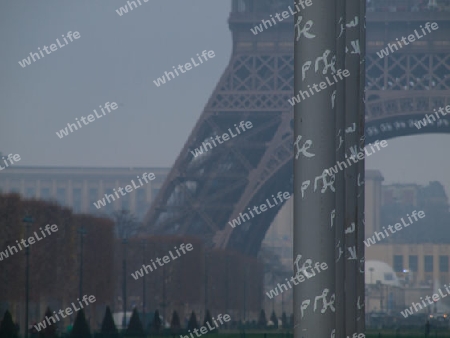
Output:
[[315, 116]]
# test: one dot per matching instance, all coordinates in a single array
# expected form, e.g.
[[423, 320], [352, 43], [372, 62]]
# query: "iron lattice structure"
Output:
[[202, 194]]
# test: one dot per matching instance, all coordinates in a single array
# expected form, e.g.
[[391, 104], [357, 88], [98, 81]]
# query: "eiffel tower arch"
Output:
[[203, 193], [413, 80]]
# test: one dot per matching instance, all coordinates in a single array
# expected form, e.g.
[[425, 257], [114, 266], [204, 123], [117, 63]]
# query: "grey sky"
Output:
[[117, 59]]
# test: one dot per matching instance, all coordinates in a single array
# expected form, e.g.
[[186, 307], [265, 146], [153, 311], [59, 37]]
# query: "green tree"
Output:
[[284, 320], [192, 324], [50, 330], [156, 325], [262, 321], [135, 328], [80, 327], [208, 318], [109, 329], [274, 319], [175, 325], [7, 327]]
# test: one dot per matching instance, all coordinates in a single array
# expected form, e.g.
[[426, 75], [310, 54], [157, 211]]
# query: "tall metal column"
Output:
[[315, 151], [337, 221], [352, 135], [351, 140], [360, 204]]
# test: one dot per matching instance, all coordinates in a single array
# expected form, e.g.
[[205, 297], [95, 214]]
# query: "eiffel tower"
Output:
[[203, 193]]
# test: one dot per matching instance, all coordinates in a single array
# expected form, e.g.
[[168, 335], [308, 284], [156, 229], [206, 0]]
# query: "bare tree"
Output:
[[126, 223]]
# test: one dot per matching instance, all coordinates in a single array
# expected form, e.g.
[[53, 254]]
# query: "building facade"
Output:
[[78, 188]]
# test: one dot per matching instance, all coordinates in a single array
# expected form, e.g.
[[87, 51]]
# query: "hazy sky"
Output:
[[116, 59]]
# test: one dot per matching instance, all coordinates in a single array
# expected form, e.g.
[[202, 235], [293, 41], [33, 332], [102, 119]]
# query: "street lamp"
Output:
[[82, 232], [380, 286], [28, 220], [371, 275], [143, 286], [164, 296], [124, 285], [245, 296], [206, 282]]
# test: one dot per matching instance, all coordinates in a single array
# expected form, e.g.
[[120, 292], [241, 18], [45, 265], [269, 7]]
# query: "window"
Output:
[[126, 202], [61, 196], [93, 194], [388, 276], [413, 265], [398, 263], [30, 192], [443, 263], [141, 202], [77, 200], [93, 197], [109, 202], [140, 197], [45, 193], [428, 263]]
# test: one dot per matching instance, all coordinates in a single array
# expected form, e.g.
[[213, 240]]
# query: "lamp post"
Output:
[[371, 275], [82, 232], [143, 286], [206, 282], [226, 284], [124, 284], [28, 220], [380, 287], [164, 296], [245, 296]]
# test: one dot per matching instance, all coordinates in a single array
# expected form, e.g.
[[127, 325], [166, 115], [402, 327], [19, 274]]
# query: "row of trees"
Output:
[[135, 328], [54, 261]]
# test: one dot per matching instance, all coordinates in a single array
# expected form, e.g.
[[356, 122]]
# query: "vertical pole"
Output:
[[164, 296], [206, 284], [337, 219], [124, 284], [273, 298], [226, 284], [144, 321], [360, 204], [27, 281], [245, 296], [354, 189], [80, 286], [351, 172], [81, 232], [315, 152]]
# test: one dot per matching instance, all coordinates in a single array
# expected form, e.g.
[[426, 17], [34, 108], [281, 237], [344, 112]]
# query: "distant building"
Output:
[[78, 187], [279, 235], [384, 292], [405, 194], [421, 269], [416, 265], [373, 200]]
